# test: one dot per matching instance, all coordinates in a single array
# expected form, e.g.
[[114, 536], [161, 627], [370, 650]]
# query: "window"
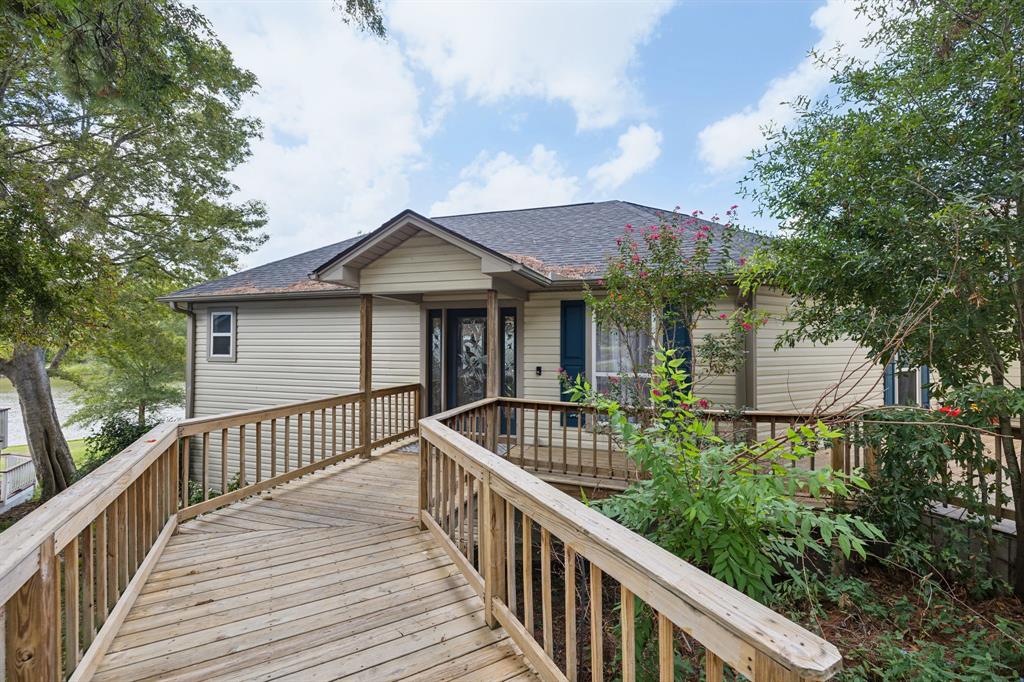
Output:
[[906, 384], [612, 354], [435, 351], [222, 335]]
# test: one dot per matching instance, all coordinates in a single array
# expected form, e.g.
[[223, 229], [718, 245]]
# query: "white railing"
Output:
[[17, 473]]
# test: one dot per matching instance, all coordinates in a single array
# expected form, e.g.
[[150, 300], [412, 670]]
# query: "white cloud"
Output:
[[579, 53], [501, 181], [725, 144], [342, 122], [639, 148]]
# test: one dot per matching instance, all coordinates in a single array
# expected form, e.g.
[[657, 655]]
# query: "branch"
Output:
[[52, 367]]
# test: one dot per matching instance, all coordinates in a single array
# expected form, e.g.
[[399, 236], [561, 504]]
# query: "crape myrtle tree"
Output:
[[661, 284], [119, 122], [902, 196]]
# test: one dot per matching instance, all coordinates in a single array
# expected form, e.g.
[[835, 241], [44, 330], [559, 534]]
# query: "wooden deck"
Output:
[[326, 577]]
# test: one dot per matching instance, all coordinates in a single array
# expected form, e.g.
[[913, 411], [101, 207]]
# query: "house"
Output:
[[289, 330]]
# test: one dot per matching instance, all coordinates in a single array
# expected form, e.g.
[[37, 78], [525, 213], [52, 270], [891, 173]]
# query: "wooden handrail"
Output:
[[71, 569], [748, 636]]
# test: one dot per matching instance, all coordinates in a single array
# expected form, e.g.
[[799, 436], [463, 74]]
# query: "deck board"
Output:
[[328, 578]]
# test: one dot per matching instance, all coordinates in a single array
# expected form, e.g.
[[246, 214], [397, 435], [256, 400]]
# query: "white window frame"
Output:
[[232, 335], [594, 373], [900, 368]]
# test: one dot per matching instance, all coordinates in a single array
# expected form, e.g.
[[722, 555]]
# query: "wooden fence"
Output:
[[17, 474], [71, 570], [502, 526]]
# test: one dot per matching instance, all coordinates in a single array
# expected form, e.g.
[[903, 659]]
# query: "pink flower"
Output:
[[643, 274], [636, 258], [746, 326], [656, 393], [722, 316], [734, 207], [702, 403], [743, 261]]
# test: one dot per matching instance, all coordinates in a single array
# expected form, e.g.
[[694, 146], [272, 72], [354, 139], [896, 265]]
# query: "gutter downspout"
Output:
[[190, 357]]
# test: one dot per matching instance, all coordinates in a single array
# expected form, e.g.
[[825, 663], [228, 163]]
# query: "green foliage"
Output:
[[113, 435], [663, 277], [137, 366], [730, 508], [118, 127]]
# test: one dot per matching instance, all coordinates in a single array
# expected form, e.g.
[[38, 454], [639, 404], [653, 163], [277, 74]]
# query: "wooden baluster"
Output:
[[131, 516], [714, 667], [312, 436], [596, 626], [551, 439], [344, 428], [510, 557], [666, 657], [461, 476], [223, 461], [545, 591], [570, 613], [273, 448], [565, 442], [298, 442], [102, 567], [241, 456], [323, 433], [184, 453], [488, 562], [259, 451], [120, 533], [72, 646], [628, 627], [88, 587], [287, 442], [608, 439], [536, 437], [471, 514], [528, 573], [206, 466], [334, 430]]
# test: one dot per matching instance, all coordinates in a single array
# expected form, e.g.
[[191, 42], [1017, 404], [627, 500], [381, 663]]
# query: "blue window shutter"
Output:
[[678, 337], [925, 380], [889, 384], [573, 344]]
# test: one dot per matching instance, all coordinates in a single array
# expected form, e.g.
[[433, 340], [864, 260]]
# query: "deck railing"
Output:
[[551, 570], [17, 473], [71, 570]]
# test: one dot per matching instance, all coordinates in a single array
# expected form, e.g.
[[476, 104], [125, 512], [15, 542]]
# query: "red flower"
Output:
[[656, 393], [703, 403], [636, 258], [746, 326], [722, 316]]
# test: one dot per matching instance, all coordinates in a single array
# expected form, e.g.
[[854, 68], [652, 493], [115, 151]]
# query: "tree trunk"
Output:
[[142, 413], [1013, 468], [50, 452]]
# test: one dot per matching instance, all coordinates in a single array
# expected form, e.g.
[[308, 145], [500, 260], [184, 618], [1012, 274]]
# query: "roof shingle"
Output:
[[577, 237]]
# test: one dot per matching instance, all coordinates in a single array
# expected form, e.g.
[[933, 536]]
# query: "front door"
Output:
[[467, 356]]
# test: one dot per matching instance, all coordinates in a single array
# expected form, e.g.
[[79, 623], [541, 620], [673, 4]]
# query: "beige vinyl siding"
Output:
[[718, 389], [423, 263], [797, 378], [542, 347], [288, 351]]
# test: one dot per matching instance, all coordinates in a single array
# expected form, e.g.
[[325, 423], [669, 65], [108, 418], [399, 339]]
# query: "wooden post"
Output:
[[366, 370], [493, 367], [32, 620], [424, 470]]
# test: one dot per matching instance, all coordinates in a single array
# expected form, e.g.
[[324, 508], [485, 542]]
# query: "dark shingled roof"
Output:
[[553, 240]]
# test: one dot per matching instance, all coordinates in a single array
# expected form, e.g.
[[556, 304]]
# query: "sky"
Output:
[[469, 107]]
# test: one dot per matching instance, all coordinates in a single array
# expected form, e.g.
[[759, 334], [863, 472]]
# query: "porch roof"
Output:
[[562, 243]]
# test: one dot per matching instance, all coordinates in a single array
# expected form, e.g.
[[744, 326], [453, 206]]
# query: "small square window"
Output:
[[222, 345], [222, 323]]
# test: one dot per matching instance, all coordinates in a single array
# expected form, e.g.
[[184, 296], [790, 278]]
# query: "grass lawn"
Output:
[[77, 450]]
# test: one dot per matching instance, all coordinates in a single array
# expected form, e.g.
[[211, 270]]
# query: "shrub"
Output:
[[730, 508], [114, 435]]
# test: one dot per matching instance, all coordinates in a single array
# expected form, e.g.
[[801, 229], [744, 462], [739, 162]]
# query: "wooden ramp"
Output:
[[329, 579]]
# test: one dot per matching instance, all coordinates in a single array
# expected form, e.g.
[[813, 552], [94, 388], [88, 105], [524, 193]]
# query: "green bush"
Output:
[[729, 508], [114, 435]]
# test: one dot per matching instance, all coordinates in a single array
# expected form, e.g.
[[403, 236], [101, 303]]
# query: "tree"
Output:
[[903, 197], [118, 125], [136, 366], [663, 281]]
